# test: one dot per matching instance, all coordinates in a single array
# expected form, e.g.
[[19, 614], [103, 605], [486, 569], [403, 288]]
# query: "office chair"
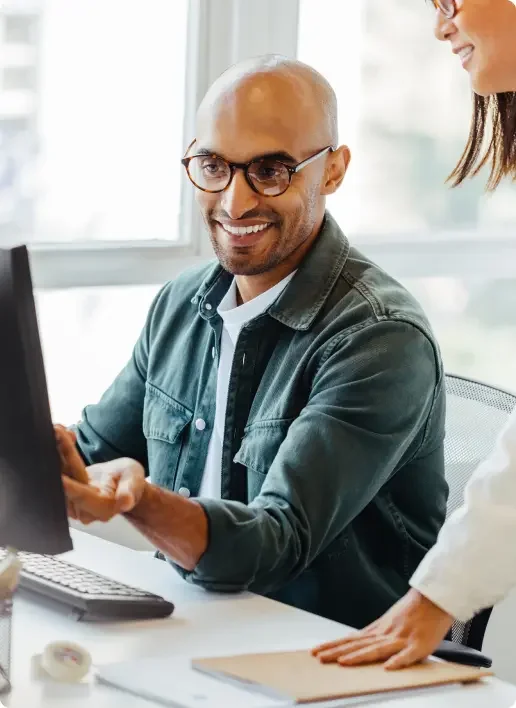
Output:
[[475, 416]]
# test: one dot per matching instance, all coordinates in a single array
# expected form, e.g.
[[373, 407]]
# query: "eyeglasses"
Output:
[[447, 7], [267, 176]]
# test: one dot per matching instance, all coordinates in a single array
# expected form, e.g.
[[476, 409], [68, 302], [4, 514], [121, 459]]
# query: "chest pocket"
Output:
[[258, 451], [164, 423]]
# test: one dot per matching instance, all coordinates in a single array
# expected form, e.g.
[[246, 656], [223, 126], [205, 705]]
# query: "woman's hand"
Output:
[[409, 632]]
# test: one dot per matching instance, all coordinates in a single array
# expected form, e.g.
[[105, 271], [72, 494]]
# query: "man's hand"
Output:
[[409, 632], [101, 491], [175, 525], [72, 464]]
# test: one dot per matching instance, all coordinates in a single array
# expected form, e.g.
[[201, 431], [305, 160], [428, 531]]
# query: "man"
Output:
[[287, 403]]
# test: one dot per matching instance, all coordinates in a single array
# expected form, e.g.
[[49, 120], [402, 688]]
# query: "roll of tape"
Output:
[[66, 661]]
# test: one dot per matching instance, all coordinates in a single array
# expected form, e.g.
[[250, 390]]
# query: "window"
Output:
[[101, 160], [19, 78], [89, 158], [87, 336], [19, 29], [404, 111], [90, 172]]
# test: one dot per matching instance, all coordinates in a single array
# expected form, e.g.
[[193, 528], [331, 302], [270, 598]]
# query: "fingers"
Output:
[[102, 479], [63, 435], [76, 515], [328, 646], [346, 647], [355, 636], [398, 653], [71, 461], [125, 498], [406, 634], [115, 485], [87, 502], [71, 511], [131, 485], [122, 478], [409, 656], [374, 652]]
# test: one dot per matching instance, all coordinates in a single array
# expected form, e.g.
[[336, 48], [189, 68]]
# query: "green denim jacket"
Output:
[[333, 482]]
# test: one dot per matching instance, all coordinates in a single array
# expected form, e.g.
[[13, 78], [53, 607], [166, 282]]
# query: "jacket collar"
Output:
[[301, 301]]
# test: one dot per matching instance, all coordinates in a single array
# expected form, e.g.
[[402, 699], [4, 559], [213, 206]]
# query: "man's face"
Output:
[[252, 234]]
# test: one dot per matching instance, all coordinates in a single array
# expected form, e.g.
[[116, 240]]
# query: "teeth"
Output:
[[243, 230], [464, 53]]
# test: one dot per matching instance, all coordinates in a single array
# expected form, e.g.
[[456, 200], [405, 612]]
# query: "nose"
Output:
[[443, 27], [239, 198]]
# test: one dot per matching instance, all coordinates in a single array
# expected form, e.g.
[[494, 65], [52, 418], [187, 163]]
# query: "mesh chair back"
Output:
[[475, 416]]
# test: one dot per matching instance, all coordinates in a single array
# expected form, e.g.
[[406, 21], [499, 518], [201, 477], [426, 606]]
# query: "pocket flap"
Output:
[[164, 418], [261, 443]]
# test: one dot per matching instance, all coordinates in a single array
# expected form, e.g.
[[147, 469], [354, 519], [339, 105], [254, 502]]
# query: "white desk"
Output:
[[202, 624]]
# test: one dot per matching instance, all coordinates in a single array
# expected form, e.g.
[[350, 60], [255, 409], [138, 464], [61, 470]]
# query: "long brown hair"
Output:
[[497, 113]]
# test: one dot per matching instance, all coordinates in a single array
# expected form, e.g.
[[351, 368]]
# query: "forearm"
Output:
[[246, 545], [178, 527]]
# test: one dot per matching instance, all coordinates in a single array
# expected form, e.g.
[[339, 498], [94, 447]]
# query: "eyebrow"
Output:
[[277, 155]]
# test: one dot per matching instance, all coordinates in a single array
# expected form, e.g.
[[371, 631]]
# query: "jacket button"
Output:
[[184, 492], [200, 424]]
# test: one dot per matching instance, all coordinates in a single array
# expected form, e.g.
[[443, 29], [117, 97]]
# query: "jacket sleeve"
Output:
[[473, 564], [370, 400]]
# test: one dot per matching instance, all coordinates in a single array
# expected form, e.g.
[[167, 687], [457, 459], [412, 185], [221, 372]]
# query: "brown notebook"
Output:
[[299, 677]]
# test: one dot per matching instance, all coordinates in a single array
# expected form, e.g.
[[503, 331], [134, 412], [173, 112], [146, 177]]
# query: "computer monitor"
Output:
[[32, 503]]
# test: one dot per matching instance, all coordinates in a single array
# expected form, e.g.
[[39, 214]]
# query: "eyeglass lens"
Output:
[[213, 174]]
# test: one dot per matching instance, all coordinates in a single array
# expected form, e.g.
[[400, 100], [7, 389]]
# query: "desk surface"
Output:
[[202, 624]]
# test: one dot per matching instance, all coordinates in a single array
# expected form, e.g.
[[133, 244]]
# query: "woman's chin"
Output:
[[484, 84]]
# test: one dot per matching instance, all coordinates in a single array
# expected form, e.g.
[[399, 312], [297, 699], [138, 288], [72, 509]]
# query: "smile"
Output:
[[241, 237], [243, 230], [465, 54]]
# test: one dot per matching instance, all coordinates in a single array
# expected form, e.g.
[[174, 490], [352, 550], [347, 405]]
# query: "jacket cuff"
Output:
[[223, 567]]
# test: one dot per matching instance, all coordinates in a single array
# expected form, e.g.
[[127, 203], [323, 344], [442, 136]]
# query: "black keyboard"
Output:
[[87, 595]]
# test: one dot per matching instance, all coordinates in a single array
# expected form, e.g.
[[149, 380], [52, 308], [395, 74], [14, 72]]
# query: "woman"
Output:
[[473, 564]]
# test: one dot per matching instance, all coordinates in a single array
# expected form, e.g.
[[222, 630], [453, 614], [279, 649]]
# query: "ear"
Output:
[[336, 168]]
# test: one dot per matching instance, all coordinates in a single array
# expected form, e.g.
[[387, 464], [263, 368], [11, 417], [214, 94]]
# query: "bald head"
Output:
[[274, 92], [261, 161]]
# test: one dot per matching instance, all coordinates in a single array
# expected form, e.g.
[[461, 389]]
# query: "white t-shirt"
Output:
[[233, 318]]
